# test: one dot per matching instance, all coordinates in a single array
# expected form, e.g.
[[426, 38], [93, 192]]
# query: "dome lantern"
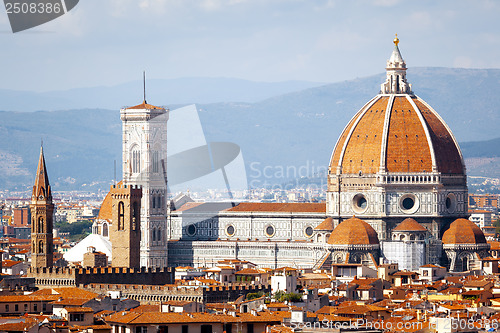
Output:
[[395, 82]]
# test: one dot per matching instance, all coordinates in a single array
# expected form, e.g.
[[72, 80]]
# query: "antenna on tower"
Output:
[[144, 84]]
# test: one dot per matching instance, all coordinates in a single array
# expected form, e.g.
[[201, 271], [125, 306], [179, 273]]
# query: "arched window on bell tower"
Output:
[[121, 215], [136, 159], [40, 247], [40, 225]]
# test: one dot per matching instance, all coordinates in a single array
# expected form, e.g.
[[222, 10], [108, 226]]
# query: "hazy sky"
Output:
[[106, 42]]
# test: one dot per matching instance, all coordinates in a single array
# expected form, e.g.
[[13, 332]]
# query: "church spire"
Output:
[[42, 215], [395, 82], [41, 189]]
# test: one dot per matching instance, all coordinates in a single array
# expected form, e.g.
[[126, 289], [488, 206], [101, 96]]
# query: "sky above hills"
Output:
[[113, 41]]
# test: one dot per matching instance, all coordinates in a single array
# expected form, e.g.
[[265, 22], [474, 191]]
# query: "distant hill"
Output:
[[171, 91], [279, 134], [487, 148]]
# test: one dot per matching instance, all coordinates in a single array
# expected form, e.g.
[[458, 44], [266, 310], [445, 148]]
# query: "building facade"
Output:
[[396, 167]]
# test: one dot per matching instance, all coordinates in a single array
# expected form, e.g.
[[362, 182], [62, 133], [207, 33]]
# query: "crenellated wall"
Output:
[[56, 276], [156, 294]]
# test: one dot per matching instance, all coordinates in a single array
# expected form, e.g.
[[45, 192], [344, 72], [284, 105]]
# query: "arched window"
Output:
[[136, 160], [158, 236], [121, 215], [154, 201], [105, 230], [40, 224], [40, 247], [154, 235]]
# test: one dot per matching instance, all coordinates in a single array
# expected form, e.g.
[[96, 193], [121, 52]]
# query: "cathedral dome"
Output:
[[399, 134], [353, 231], [463, 231], [396, 132]]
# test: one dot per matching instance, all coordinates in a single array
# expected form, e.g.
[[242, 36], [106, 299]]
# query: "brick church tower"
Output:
[[125, 235], [42, 210]]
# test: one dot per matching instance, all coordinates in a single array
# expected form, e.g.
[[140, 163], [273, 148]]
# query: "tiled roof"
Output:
[[277, 305], [494, 245], [67, 292], [463, 231], [146, 106], [170, 317], [27, 298], [292, 207], [79, 310], [21, 325], [70, 301], [327, 225], [146, 308], [354, 231], [9, 263], [409, 224], [249, 271]]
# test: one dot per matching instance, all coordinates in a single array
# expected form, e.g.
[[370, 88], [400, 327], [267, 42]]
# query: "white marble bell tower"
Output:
[[144, 128]]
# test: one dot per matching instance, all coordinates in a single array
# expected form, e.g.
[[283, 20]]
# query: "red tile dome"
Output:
[[397, 133], [463, 231], [353, 231], [409, 224]]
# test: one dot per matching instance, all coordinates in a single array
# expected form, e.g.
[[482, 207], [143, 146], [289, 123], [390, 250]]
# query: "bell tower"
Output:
[[42, 212], [144, 151], [125, 235]]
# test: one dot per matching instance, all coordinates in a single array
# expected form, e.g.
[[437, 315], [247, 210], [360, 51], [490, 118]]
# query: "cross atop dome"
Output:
[[395, 82]]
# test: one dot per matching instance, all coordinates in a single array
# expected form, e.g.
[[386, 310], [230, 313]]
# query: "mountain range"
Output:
[[288, 126]]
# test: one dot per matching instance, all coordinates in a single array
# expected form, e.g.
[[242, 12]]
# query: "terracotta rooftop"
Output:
[[134, 318], [354, 231], [409, 224], [463, 231], [249, 271], [79, 309], [292, 207], [146, 106], [9, 263]]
